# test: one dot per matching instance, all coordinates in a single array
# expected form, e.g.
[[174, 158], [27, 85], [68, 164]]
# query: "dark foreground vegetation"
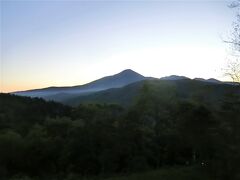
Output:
[[177, 138]]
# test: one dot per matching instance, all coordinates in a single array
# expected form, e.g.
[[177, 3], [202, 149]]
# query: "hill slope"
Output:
[[204, 92]]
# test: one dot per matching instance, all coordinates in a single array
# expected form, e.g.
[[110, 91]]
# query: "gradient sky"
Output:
[[59, 43]]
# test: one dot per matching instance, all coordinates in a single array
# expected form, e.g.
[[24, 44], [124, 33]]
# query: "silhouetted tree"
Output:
[[233, 66]]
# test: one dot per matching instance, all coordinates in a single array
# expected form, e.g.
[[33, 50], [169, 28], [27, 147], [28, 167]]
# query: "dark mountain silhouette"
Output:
[[112, 88], [211, 80], [115, 81]]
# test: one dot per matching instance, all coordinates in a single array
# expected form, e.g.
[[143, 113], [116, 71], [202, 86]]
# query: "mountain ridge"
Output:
[[121, 79]]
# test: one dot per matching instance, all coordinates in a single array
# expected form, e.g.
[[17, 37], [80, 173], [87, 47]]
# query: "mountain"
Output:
[[211, 80], [174, 77], [121, 79], [122, 88]]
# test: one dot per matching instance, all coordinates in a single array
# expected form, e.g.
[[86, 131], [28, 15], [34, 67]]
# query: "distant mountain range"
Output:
[[119, 88]]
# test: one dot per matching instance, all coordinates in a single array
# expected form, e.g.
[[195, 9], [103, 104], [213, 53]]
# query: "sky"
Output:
[[65, 43]]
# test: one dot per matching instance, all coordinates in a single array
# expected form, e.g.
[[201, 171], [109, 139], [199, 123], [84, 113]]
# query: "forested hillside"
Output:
[[161, 129], [185, 89]]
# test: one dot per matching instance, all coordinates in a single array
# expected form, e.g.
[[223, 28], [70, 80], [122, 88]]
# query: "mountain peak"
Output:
[[174, 77], [211, 80], [214, 80], [128, 71]]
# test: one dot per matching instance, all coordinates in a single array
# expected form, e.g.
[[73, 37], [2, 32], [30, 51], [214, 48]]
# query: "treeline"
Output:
[[47, 139]]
